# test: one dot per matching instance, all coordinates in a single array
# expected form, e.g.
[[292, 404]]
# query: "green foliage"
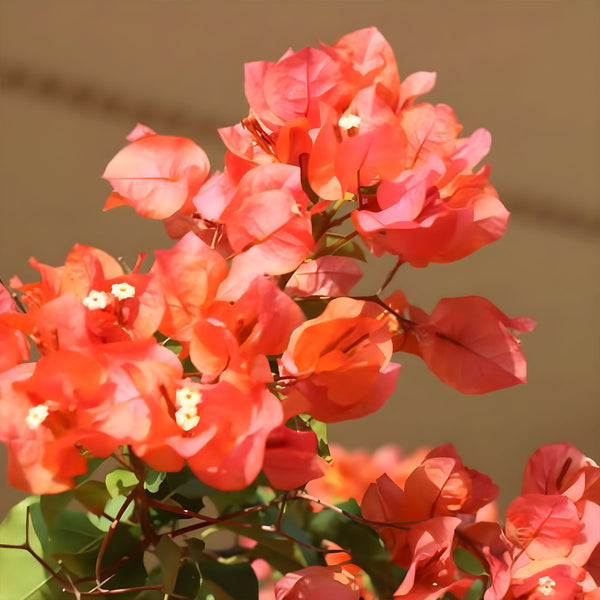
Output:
[[22, 576], [365, 546], [153, 480], [333, 243], [320, 430], [468, 563], [475, 592], [228, 581], [92, 495], [120, 482]]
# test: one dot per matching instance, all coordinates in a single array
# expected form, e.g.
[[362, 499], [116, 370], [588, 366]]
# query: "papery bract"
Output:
[[13, 345], [339, 363], [189, 274], [351, 471], [38, 461], [291, 458], [156, 175], [432, 571], [468, 343], [293, 86], [238, 335], [325, 276], [223, 440], [369, 60], [544, 526], [562, 469], [318, 583]]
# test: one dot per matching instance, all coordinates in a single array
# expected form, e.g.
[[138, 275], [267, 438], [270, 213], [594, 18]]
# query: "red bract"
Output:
[[432, 571], [293, 86], [550, 579], [291, 458], [89, 300], [220, 430], [94, 400], [440, 486], [267, 226], [318, 583], [421, 222], [544, 526], [562, 469], [157, 175], [13, 345], [239, 335], [468, 343], [40, 461], [368, 59], [326, 276], [189, 274], [351, 472], [359, 147], [338, 364]]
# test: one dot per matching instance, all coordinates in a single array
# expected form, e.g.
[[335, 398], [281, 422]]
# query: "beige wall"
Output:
[[77, 75]]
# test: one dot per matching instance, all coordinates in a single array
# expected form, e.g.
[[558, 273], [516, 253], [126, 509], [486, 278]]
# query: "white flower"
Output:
[[36, 416], [122, 290], [349, 121], [185, 397], [96, 300], [187, 417]]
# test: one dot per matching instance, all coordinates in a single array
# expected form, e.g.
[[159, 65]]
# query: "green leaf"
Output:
[[169, 555], [320, 430], [120, 482], [237, 581], [111, 508], [92, 495], [186, 489], [174, 346], [21, 576], [465, 561], [365, 546], [188, 580], [475, 592], [333, 241], [153, 480], [72, 533], [52, 506]]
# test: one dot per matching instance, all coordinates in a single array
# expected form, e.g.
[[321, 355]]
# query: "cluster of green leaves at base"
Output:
[[68, 539]]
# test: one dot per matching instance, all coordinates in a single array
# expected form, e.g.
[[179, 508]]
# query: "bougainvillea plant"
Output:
[[170, 417]]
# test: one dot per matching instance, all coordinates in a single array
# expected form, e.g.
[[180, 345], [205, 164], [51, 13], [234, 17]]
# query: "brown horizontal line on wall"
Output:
[[87, 96]]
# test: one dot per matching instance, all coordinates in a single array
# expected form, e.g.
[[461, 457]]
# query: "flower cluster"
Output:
[[443, 530], [332, 136], [216, 368]]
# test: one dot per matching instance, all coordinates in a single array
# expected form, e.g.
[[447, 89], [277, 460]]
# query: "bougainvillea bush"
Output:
[[170, 416]]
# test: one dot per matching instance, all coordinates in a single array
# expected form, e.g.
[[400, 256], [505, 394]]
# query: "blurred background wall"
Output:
[[77, 75]]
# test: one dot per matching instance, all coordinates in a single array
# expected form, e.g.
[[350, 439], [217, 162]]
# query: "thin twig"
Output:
[[398, 525], [390, 276], [111, 531]]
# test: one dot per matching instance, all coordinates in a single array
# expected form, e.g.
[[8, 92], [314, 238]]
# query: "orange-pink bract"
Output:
[[318, 583], [338, 365], [470, 345], [158, 175]]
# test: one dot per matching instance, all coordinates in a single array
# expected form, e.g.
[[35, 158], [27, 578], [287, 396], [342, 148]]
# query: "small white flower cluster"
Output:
[[187, 414], [36, 416], [546, 585], [349, 121], [96, 300]]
